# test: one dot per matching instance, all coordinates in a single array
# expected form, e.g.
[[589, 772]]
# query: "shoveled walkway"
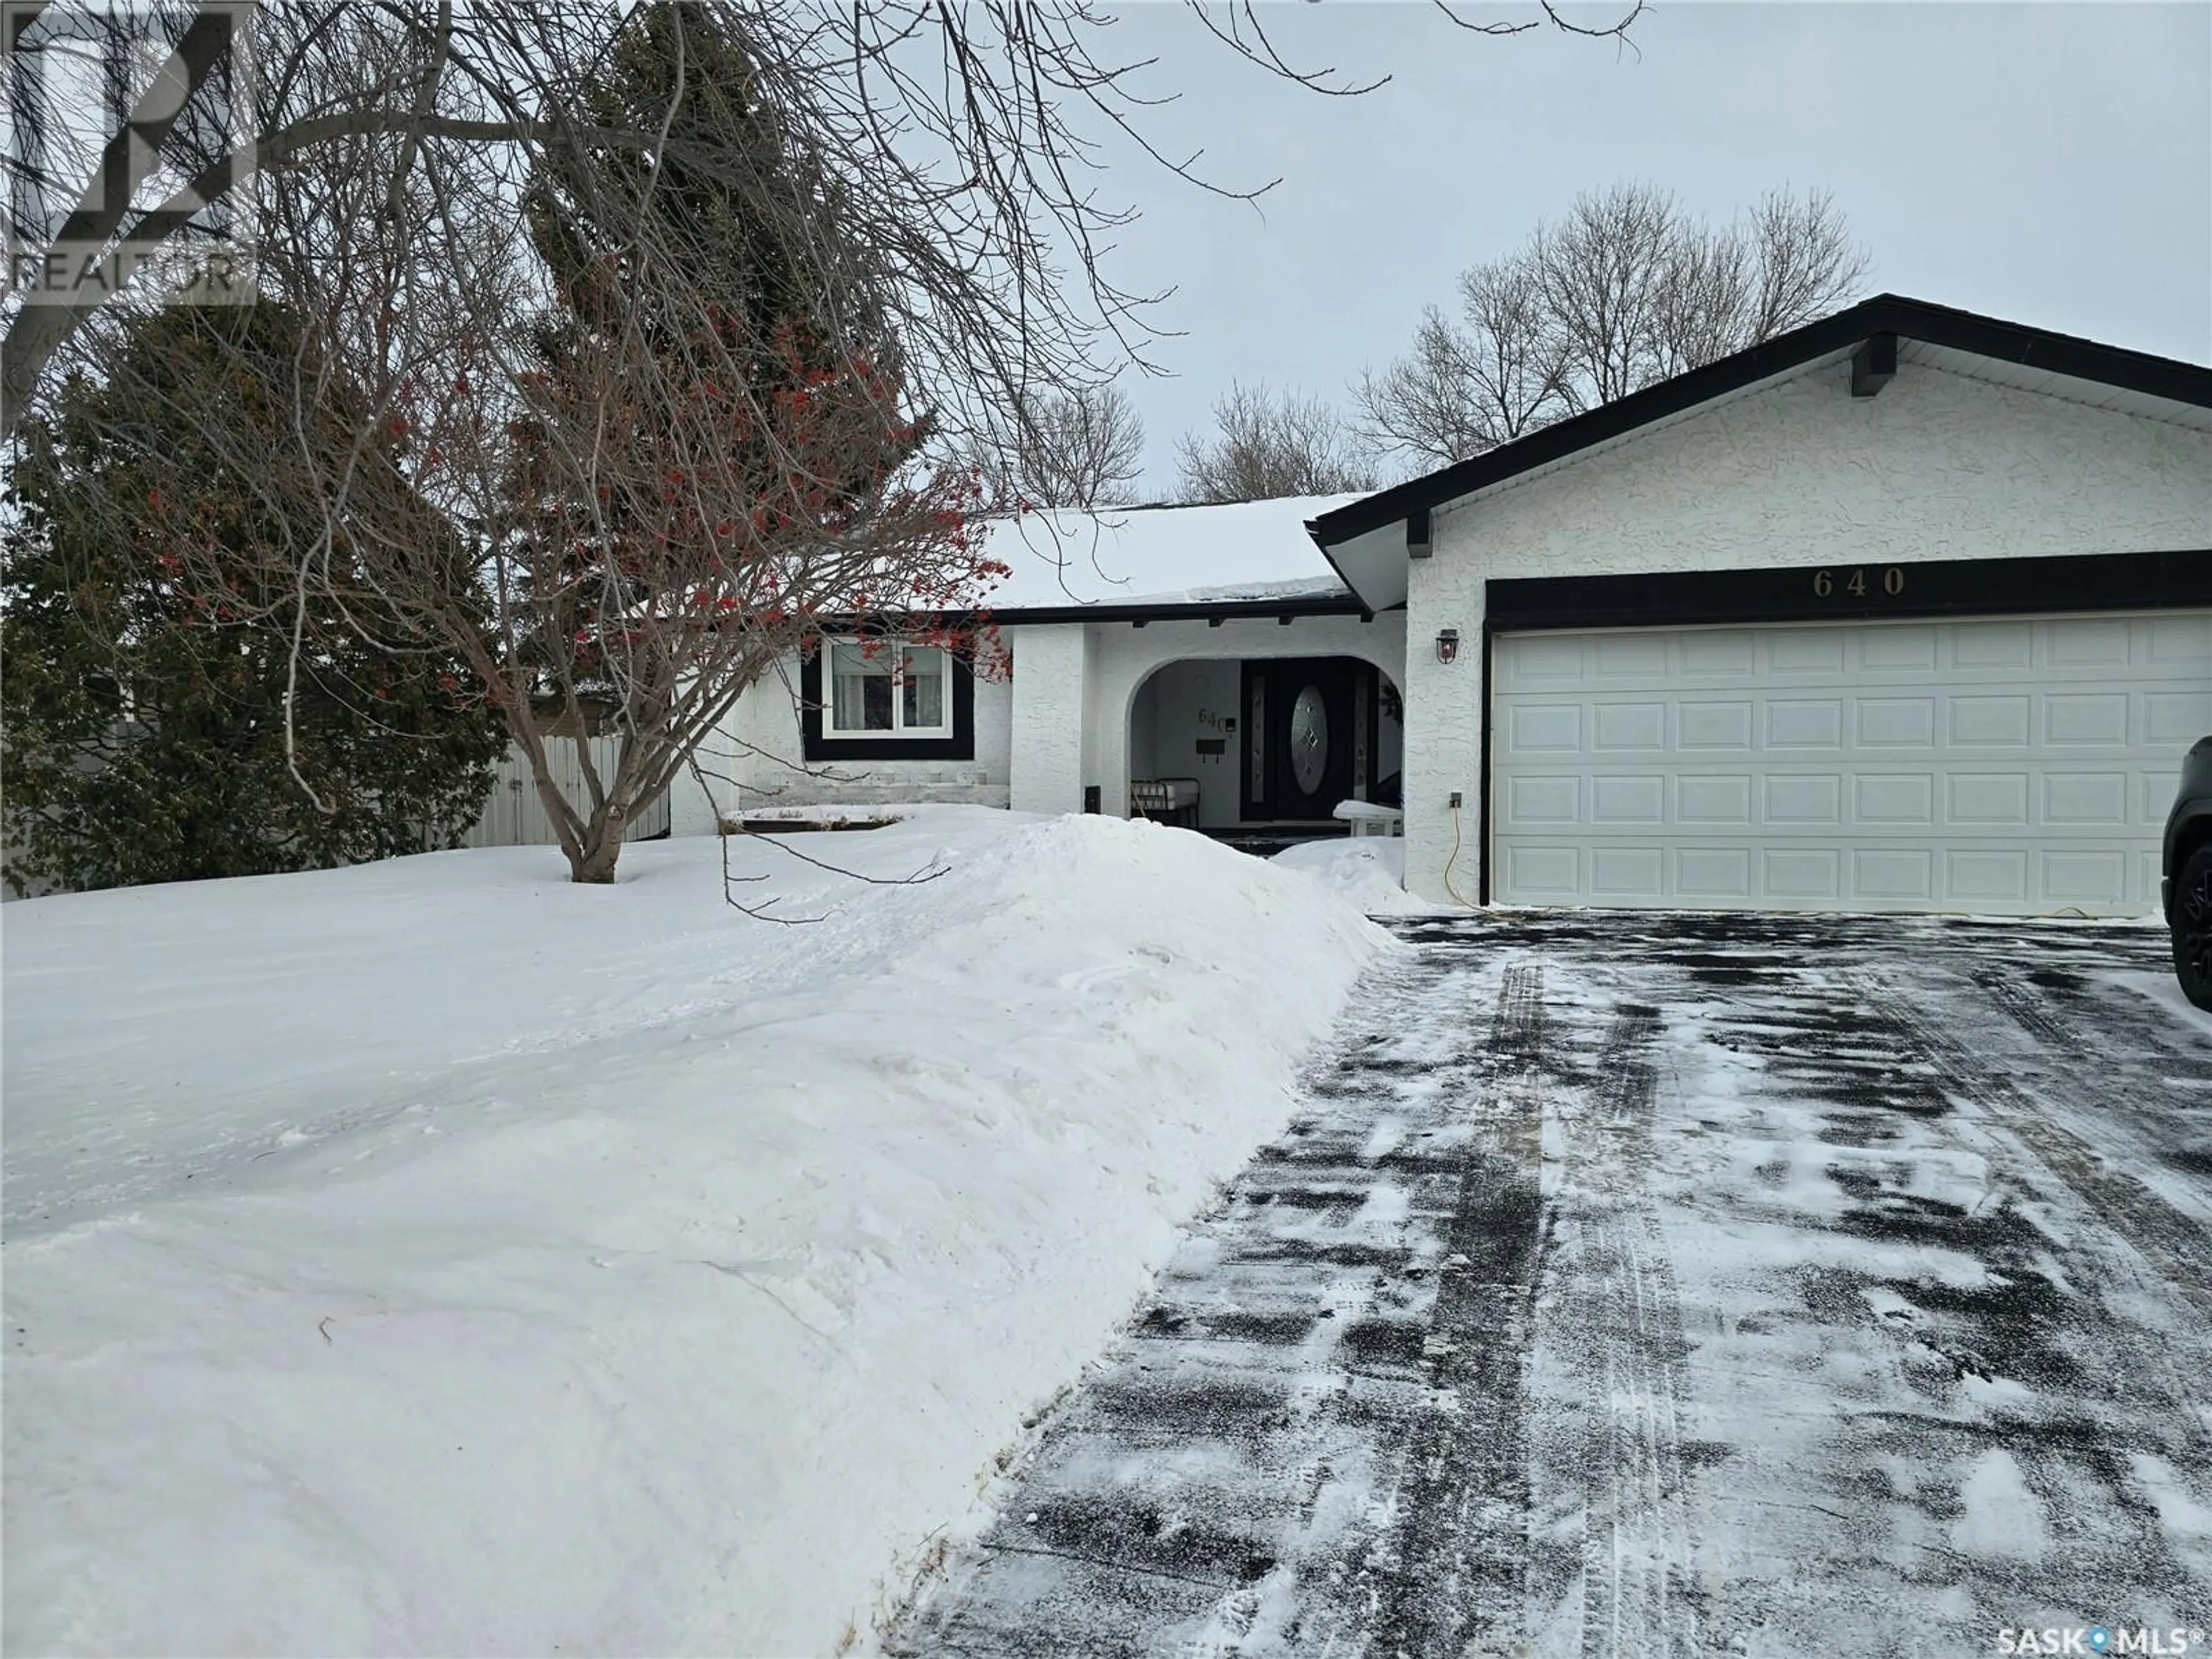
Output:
[[1665, 1284]]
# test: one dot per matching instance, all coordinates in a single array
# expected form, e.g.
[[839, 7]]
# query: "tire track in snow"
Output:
[[2174, 1244], [1610, 1324], [1455, 1559], [2155, 1076], [2121, 1241]]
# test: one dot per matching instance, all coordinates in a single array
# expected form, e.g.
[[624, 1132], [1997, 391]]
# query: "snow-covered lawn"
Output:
[[435, 1257]]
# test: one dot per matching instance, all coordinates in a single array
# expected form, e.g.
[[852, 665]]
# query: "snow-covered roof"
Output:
[[1162, 555]]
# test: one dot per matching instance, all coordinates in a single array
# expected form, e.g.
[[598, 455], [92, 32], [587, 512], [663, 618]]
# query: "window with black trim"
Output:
[[886, 699]]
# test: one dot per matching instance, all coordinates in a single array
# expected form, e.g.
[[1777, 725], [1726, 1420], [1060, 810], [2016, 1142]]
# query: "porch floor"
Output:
[[1266, 840]]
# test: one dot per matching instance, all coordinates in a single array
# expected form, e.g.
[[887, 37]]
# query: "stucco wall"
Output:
[[755, 760], [1051, 671], [1938, 467]]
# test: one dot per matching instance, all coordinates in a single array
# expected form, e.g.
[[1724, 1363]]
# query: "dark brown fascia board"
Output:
[[1323, 604]]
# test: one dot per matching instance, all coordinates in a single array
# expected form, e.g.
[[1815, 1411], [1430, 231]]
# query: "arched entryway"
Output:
[[1263, 745]]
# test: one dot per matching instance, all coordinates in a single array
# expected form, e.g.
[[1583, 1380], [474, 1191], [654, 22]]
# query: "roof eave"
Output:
[[1916, 319], [1347, 604], [1301, 604]]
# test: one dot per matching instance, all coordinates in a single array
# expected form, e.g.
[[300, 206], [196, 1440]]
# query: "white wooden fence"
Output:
[[514, 816]]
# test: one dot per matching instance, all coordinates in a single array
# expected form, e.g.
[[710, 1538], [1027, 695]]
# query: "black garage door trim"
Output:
[[1840, 592]]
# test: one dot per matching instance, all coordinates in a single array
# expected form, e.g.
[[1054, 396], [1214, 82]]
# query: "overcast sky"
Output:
[[2050, 164]]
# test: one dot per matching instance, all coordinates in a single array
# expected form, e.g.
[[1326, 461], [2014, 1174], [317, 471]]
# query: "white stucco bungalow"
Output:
[[1909, 608]]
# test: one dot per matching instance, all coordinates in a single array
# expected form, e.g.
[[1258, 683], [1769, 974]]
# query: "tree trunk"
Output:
[[603, 845]]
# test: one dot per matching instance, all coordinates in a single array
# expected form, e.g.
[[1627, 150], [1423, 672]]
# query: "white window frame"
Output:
[[896, 650]]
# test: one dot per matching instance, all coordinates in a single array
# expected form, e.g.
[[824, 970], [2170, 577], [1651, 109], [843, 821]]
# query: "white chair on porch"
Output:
[[1168, 800]]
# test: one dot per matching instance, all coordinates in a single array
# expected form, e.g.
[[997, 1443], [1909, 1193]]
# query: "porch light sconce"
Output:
[[1448, 645]]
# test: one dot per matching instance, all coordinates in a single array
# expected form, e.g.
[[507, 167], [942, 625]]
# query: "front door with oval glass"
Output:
[[1309, 736]]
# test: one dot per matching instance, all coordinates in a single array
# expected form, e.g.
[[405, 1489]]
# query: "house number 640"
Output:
[[1892, 583]]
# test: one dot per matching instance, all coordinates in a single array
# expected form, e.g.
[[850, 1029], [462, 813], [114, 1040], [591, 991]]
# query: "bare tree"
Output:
[[621, 431], [1701, 299], [637, 376], [1805, 260], [1082, 447], [1500, 371], [1600, 272], [960, 139], [1267, 444], [1625, 289]]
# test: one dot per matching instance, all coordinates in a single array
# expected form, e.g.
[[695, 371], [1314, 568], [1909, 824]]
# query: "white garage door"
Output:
[[2015, 766]]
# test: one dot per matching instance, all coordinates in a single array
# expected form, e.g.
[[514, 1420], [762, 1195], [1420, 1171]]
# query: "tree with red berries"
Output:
[[714, 450], [663, 309], [654, 398]]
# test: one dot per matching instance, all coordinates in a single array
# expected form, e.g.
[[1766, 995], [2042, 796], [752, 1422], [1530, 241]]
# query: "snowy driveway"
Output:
[[1662, 1284]]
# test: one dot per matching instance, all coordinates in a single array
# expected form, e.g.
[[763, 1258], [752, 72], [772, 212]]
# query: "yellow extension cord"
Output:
[[1453, 891]]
